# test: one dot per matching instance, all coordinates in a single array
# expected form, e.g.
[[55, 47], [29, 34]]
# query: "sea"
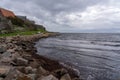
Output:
[[94, 56]]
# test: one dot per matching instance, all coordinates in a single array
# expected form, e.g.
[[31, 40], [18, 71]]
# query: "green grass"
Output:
[[22, 33]]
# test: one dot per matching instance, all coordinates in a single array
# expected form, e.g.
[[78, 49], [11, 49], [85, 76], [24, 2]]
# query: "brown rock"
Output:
[[4, 70]]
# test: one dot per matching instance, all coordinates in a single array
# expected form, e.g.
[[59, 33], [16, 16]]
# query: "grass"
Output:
[[22, 33]]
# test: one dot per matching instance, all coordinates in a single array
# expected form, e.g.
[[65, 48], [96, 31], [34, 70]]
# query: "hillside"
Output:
[[18, 24]]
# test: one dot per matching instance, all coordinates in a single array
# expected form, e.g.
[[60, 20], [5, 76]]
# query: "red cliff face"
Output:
[[6, 13]]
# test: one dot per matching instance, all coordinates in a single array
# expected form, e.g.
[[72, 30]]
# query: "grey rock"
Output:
[[6, 54], [32, 76], [65, 77], [49, 77], [21, 61], [42, 70], [1, 78], [28, 69], [2, 49]]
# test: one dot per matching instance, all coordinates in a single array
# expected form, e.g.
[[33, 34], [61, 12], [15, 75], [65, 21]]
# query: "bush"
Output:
[[16, 21]]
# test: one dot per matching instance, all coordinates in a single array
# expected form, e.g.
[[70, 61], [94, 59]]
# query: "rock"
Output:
[[60, 72], [23, 78], [32, 76], [42, 70], [2, 49], [21, 62], [4, 70], [6, 61], [1, 78], [65, 77], [49, 77], [7, 54], [28, 57], [28, 70]]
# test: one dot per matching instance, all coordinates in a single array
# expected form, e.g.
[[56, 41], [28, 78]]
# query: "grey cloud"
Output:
[[52, 13]]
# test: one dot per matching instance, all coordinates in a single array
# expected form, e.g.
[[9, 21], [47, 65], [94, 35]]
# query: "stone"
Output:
[[1, 78], [2, 49], [4, 70], [21, 61], [65, 77], [32, 76], [23, 78], [28, 69], [49, 77], [7, 54], [60, 72], [42, 70], [6, 60]]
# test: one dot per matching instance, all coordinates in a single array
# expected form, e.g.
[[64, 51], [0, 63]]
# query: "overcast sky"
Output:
[[70, 15]]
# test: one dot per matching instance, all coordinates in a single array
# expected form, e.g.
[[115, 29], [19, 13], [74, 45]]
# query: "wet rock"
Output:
[[60, 72], [65, 77], [49, 77], [4, 70], [21, 61]]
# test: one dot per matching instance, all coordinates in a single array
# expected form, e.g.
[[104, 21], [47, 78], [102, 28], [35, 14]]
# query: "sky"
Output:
[[70, 15]]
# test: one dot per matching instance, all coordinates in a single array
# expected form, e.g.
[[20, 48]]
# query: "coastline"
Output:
[[24, 64]]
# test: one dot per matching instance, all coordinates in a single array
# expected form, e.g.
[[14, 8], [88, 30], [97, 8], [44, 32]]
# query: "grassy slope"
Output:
[[23, 33]]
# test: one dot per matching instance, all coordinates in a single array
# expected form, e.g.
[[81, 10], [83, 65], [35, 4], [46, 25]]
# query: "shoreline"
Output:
[[27, 64]]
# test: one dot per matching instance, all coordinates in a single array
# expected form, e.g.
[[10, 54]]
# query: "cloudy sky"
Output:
[[70, 15]]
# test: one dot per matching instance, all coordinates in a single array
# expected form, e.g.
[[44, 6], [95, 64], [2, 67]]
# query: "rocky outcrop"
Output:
[[18, 61]]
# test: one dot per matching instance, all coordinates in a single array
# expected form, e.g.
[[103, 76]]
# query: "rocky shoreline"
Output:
[[19, 61]]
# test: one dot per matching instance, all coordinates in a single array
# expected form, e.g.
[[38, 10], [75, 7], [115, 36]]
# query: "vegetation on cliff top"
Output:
[[16, 26]]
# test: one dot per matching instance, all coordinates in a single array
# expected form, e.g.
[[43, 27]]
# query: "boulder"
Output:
[[1, 78], [2, 49], [32, 76], [4, 70], [23, 78], [60, 72], [28, 69], [21, 61], [7, 54], [42, 70], [65, 77], [49, 77]]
